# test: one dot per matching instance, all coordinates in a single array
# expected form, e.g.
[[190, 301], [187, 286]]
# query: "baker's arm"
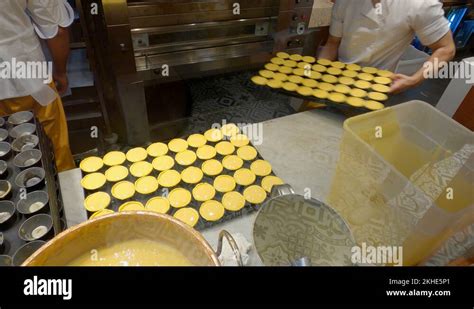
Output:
[[330, 50], [51, 19], [432, 28], [59, 49], [444, 50]]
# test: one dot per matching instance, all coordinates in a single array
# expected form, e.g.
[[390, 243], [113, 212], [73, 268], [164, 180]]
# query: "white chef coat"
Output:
[[21, 22], [379, 40]]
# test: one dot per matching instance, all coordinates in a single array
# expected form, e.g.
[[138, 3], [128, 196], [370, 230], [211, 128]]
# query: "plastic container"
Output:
[[411, 61], [405, 178]]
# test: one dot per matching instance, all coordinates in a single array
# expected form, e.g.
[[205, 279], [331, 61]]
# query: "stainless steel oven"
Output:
[[136, 43]]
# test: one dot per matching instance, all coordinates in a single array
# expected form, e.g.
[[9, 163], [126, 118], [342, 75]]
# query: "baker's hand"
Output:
[[61, 81], [402, 82]]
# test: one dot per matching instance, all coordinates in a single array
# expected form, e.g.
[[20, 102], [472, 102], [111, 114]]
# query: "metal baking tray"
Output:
[[341, 106], [10, 229], [202, 223]]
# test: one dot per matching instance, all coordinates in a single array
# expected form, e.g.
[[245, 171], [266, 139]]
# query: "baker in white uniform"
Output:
[[23, 24], [377, 32]]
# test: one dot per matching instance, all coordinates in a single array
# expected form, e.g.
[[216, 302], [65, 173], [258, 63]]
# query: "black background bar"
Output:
[[266, 285]]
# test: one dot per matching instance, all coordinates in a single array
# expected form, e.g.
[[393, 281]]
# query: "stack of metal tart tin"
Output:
[[30, 207]]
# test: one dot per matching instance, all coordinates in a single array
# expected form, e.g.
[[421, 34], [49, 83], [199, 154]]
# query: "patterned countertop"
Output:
[[303, 149]]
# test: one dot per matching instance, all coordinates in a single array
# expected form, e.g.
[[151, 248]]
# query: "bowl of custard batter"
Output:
[[137, 238]]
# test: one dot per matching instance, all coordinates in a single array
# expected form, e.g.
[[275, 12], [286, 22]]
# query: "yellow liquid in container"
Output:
[[412, 160], [415, 163], [407, 156], [136, 252], [463, 195]]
